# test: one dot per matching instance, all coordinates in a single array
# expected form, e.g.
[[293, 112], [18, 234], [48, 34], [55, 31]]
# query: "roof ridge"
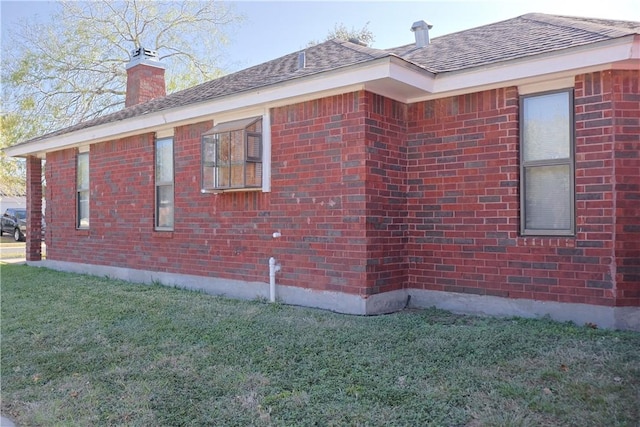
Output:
[[484, 45], [579, 22], [367, 50]]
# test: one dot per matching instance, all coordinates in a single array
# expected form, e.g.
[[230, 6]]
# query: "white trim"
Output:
[[266, 151], [546, 86], [83, 149], [389, 76], [164, 133], [145, 61], [538, 68]]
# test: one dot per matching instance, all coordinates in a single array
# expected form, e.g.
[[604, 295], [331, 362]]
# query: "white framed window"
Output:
[[164, 184], [82, 190], [235, 155], [547, 170]]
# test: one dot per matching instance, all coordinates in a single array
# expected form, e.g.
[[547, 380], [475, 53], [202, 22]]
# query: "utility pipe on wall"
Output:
[[273, 269]]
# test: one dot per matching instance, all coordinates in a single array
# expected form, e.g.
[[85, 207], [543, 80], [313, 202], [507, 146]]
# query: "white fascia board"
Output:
[[310, 87], [539, 68], [390, 76], [412, 76]]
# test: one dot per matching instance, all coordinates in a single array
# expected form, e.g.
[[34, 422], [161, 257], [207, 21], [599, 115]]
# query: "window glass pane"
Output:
[[546, 129], [224, 154], [254, 147], [255, 127], [237, 147], [208, 177], [224, 177], [209, 150], [83, 209], [237, 175], [164, 160], [83, 171], [254, 174], [548, 197], [165, 206]]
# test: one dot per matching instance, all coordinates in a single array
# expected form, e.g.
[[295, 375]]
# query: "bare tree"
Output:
[[12, 172], [72, 68], [362, 35]]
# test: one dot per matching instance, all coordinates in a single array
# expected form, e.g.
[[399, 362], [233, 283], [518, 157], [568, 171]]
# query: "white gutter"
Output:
[[597, 57], [388, 76], [292, 91]]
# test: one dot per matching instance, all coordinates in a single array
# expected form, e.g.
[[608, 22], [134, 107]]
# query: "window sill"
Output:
[[82, 231], [547, 241], [230, 190]]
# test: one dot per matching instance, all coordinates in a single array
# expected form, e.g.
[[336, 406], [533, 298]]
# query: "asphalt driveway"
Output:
[[12, 251]]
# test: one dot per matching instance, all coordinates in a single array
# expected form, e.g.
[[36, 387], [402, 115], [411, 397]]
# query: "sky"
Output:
[[275, 28]]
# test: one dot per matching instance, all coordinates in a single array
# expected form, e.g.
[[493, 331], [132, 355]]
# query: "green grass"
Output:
[[81, 350]]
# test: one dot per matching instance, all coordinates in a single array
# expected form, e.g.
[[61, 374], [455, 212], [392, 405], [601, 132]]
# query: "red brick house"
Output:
[[494, 170]]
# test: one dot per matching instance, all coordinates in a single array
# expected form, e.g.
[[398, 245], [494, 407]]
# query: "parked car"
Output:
[[14, 222]]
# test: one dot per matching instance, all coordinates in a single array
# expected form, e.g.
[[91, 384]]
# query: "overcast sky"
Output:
[[272, 29]]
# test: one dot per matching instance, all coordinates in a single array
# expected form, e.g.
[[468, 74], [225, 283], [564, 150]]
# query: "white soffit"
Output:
[[539, 68], [389, 76]]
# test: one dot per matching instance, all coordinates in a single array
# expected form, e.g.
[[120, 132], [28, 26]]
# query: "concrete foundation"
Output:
[[627, 318]]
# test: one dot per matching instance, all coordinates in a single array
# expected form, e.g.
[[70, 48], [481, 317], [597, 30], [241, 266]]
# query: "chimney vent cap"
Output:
[[421, 25], [421, 32], [145, 53], [144, 56]]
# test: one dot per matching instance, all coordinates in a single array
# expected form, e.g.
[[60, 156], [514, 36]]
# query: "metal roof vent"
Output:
[[357, 41], [302, 60], [421, 30]]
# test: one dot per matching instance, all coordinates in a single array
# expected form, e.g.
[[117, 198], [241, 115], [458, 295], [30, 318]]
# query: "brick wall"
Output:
[[318, 203], [462, 177], [385, 190], [34, 209], [625, 99], [371, 195], [61, 238], [463, 181], [319, 193], [608, 180]]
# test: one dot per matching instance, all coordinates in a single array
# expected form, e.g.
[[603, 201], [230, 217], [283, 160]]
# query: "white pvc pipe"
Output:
[[273, 268]]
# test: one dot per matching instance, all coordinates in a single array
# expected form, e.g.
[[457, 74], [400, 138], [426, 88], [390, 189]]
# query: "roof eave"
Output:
[[623, 52], [389, 76], [406, 77]]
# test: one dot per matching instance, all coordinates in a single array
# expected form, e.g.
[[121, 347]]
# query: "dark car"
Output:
[[14, 222]]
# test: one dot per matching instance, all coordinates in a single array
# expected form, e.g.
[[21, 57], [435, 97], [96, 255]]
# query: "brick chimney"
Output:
[[145, 77]]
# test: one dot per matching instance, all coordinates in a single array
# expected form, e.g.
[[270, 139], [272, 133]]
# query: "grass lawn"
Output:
[[86, 351]]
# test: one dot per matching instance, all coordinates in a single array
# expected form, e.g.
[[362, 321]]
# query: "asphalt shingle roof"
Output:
[[330, 55], [520, 37]]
